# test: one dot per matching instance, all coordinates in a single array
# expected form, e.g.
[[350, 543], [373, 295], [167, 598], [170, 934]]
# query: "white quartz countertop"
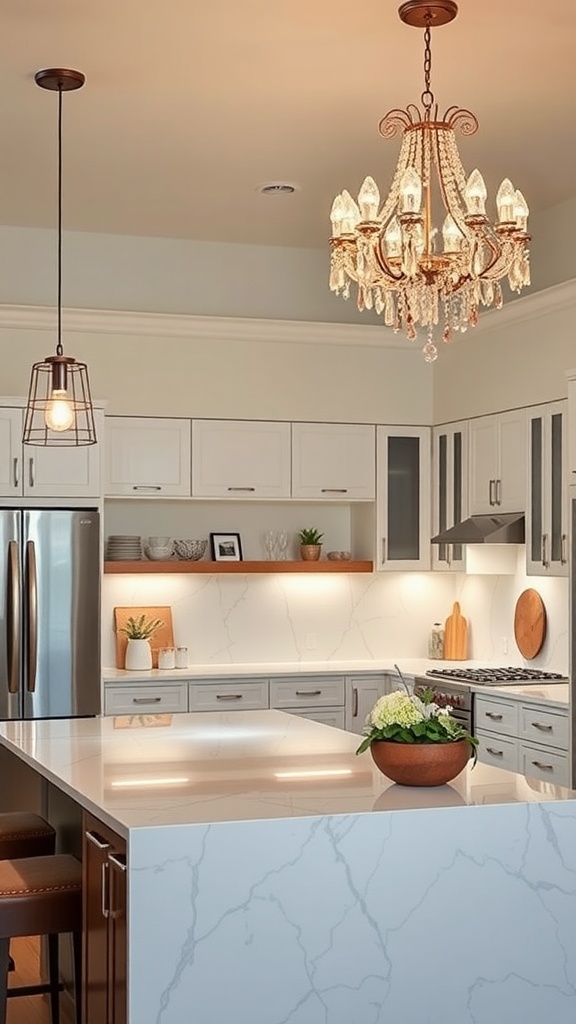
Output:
[[214, 767], [554, 694]]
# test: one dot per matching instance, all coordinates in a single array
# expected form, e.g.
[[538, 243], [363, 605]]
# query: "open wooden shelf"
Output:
[[176, 565]]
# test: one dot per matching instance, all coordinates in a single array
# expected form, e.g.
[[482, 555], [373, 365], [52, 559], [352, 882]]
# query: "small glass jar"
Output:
[[181, 657], [166, 657], [436, 642]]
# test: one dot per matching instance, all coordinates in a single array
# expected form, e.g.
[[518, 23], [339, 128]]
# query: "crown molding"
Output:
[[214, 328]]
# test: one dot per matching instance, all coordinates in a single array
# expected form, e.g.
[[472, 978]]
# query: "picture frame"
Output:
[[226, 547]]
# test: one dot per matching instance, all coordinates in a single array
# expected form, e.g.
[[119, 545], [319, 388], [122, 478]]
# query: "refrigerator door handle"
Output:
[[32, 606], [13, 617]]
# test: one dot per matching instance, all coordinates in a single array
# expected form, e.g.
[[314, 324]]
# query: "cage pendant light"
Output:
[[59, 410]]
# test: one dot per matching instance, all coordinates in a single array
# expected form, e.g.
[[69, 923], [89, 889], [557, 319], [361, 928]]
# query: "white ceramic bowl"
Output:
[[158, 554], [191, 550], [159, 542]]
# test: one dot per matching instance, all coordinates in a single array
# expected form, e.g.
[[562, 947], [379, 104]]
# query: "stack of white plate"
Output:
[[123, 548]]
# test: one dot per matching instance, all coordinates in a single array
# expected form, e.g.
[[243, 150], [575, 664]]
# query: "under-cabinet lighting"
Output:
[[318, 774]]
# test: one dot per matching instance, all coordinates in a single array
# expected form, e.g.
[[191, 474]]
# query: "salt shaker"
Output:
[[166, 657], [181, 657]]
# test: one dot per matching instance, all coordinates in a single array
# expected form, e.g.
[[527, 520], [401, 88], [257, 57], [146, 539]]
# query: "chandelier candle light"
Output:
[[59, 407], [403, 266]]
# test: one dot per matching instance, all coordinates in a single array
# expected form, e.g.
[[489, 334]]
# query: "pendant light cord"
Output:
[[59, 348]]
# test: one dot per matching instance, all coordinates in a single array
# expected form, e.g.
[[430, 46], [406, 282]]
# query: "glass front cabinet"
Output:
[[403, 498], [547, 512], [449, 491]]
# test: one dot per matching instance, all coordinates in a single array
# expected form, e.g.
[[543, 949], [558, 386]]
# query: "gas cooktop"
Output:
[[497, 676]]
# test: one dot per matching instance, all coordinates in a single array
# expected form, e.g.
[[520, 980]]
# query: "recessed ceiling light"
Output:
[[278, 188]]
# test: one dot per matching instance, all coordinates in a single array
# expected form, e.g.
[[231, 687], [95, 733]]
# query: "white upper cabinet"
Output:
[[547, 511], [333, 460], [449, 491], [240, 459], [33, 471], [498, 463], [147, 457], [403, 498]]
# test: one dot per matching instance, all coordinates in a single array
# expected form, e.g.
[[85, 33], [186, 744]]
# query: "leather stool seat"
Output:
[[40, 896], [23, 834]]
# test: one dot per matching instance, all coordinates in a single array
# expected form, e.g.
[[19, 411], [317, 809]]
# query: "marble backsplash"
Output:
[[235, 619]]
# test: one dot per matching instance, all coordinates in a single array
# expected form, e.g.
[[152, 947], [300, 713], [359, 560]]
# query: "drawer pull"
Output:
[[250, 489], [541, 726], [146, 700], [495, 753], [543, 767], [494, 716], [334, 490], [96, 840], [354, 702], [308, 693], [229, 696]]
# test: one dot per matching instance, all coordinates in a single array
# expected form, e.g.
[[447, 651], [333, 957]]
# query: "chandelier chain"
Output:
[[427, 95]]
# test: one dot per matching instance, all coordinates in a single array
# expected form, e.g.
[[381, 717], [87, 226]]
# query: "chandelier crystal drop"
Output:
[[429, 255]]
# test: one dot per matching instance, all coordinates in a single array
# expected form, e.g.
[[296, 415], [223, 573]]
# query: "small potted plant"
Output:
[[138, 651], [310, 544], [414, 741]]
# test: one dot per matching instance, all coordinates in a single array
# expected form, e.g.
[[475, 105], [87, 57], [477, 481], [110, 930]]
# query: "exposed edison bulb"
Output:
[[369, 199], [410, 191], [475, 193], [59, 414], [505, 201], [521, 210]]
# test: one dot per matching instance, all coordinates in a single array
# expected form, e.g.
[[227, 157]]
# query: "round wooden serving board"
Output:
[[529, 623]]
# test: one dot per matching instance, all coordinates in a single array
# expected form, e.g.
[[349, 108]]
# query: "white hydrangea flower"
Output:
[[396, 709]]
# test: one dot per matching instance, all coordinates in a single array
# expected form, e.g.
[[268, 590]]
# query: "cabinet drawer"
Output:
[[227, 696], [496, 716], [498, 751], [334, 717], [545, 764], [309, 691], [130, 700], [542, 726]]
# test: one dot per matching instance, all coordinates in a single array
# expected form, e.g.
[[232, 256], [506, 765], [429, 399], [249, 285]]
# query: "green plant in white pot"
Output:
[[310, 544], [138, 651]]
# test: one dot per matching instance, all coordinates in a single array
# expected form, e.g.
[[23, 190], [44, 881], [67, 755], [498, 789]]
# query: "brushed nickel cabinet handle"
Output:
[[146, 700], [494, 752], [491, 488], [31, 472], [16, 471], [117, 862], [498, 494], [334, 490], [563, 555], [541, 726], [383, 550], [308, 693], [229, 696], [146, 487], [32, 625], [354, 702], [250, 489], [495, 717], [545, 559], [104, 883]]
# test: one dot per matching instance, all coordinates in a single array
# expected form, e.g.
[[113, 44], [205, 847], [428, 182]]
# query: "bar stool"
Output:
[[41, 896], [23, 834]]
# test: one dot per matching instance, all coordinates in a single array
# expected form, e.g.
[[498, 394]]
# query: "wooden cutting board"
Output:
[[456, 635], [163, 637], [529, 623]]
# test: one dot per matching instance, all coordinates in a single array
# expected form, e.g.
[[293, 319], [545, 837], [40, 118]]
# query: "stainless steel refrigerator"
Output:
[[49, 613]]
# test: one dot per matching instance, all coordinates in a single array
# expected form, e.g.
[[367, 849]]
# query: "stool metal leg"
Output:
[[54, 971]]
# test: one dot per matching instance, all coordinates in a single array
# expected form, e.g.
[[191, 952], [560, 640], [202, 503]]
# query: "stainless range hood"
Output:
[[487, 529]]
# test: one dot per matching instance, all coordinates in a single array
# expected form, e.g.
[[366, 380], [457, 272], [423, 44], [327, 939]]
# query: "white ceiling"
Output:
[[190, 105]]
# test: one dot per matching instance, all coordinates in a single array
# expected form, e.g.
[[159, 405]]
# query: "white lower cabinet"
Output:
[[228, 695], [524, 737], [321, 697], [333, 716], [157, 698], [363, 692]]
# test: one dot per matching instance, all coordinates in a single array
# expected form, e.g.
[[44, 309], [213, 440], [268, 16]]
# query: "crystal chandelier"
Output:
[[403, 266]]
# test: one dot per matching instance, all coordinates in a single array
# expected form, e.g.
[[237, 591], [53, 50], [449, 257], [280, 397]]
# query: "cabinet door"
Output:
[[483, 465], [333, 717], [363, 694], [240, 459], [403, 498], [104, 923], [147, 457], [512, 459], [65, 472], [547, 506], [450, 491], [333, 460], [10, 452]]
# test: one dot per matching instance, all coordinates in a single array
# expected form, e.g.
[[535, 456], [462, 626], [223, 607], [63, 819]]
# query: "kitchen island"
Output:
[[275, 877]]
